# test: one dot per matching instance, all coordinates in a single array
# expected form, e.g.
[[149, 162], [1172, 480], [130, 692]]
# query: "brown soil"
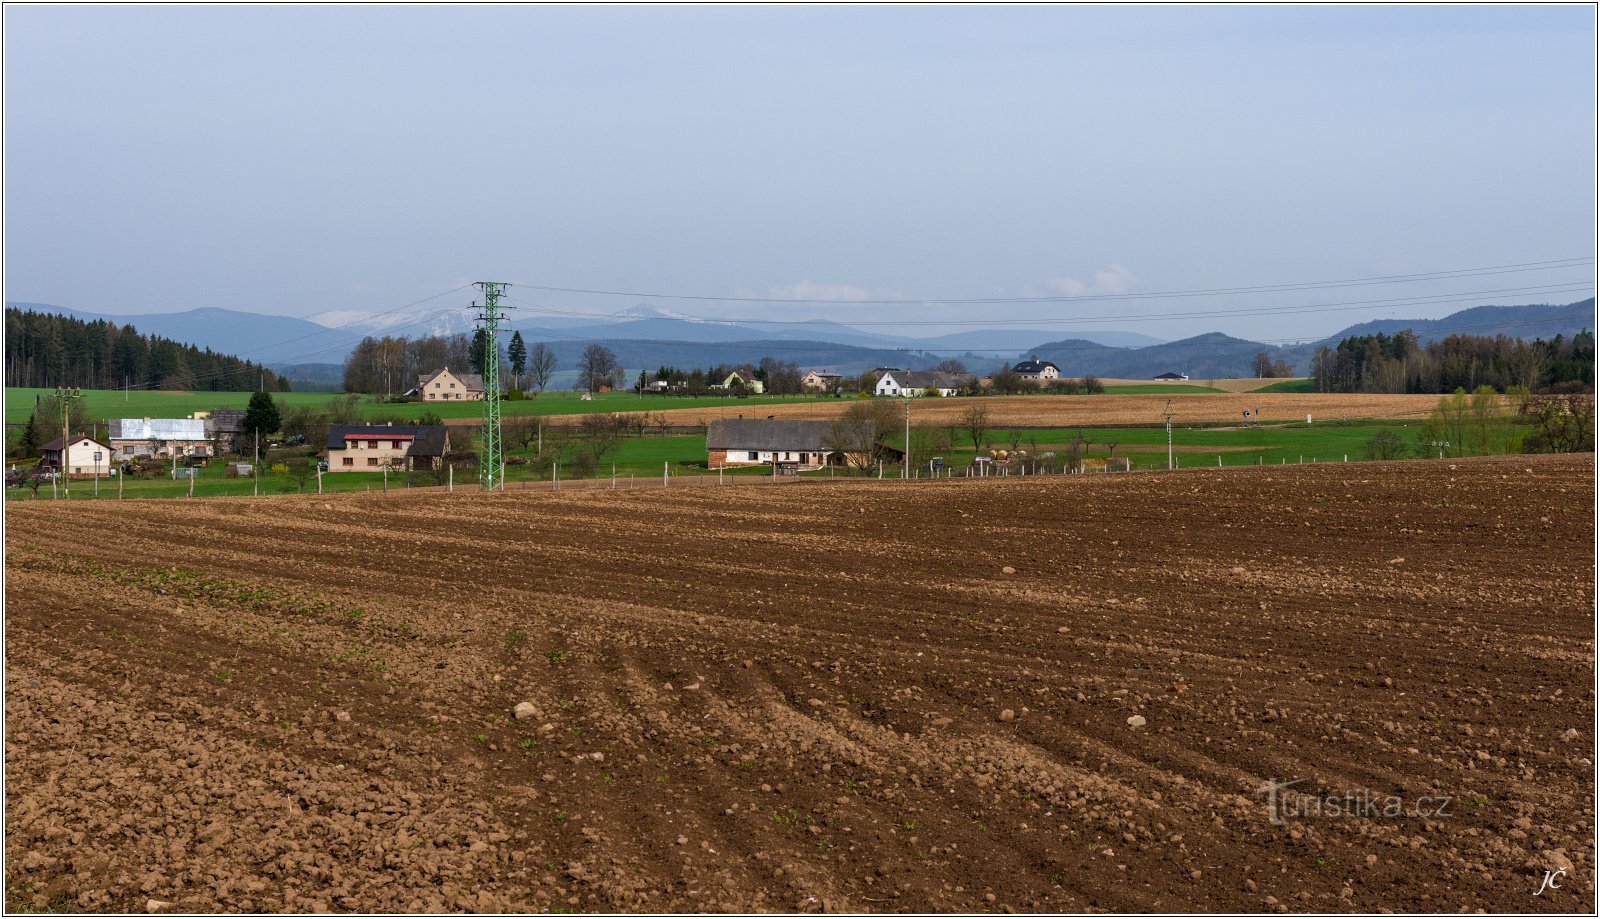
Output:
[[846, 697], [1110, 409]]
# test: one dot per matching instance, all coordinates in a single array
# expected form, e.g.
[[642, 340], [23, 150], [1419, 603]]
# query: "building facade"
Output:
[[83, 457], [448, 386], [376, 447]]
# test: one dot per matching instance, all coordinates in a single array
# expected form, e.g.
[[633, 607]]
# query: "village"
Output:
[[177, 448]]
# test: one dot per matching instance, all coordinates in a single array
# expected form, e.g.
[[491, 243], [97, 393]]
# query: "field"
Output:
[[1052, 694], [1110, 408], [104, 404]]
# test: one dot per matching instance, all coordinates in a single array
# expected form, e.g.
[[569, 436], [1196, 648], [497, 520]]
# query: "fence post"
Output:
[[664, 473]]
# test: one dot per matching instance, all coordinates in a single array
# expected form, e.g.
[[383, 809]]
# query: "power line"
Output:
[[1337, 306], [1201, 292]]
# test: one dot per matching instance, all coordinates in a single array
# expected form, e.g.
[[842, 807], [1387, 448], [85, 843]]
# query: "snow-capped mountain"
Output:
[[412, 324], [646, 311]]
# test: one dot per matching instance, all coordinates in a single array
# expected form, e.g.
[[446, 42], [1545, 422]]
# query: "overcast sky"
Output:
[[296, 160]]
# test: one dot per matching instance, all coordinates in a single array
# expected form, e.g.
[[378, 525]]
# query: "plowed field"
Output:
[[1046, 694], [1109, 409]]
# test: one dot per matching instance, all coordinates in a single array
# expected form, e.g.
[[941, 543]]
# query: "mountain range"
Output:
[[312, 349]]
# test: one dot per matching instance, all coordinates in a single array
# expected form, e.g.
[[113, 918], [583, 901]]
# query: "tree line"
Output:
[[47, 349], [390, 365], [1399, 363]]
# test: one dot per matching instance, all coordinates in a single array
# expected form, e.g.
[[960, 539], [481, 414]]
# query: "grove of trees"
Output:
[[46, 349], [1399, 363]]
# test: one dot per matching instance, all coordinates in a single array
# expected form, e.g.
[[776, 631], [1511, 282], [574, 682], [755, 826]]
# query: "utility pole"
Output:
[[255, 468], [905, 465], [489, 461], [1169, 433], [66, 395]]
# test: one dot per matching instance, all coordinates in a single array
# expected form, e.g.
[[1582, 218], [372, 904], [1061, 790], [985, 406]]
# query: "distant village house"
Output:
[[1035, 369], [374, 447], [802, 445], [917, 382], [821, 381], [447, 386], [83, 458], [159, 437], [1170, 377]]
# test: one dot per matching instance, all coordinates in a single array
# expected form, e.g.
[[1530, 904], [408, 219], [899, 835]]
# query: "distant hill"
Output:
[[1209, 356], [1541, 321], [247, 335]]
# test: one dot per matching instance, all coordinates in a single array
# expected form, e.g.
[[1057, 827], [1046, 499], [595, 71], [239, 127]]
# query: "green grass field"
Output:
[[105, 404], [1305, 385], [1269, 444], [685, 455]]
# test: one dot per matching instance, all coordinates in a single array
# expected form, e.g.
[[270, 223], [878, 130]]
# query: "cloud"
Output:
[[811, 290], [1112, 279]]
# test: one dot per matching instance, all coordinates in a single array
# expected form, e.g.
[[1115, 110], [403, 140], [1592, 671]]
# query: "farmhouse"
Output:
[[917, 382], [821, 381], [84, 457], [799, 445], [446, 386], [225, 428], [1035, 369], [1170, 377], [744, 377], [371, 447], [161, 437]]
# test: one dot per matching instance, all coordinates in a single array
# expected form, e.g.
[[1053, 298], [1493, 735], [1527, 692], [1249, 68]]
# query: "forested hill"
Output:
[[45, 349]]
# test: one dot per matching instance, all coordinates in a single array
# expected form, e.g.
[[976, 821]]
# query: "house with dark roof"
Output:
[[374, 447], [789, 445], [917, 383], [743, 378], [447, 386], [1170, 377], [83, 458], [225, 427], [1035, 369], [821, 381]]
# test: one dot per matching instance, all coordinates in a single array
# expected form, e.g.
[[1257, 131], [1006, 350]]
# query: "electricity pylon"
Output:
[[490, 472]]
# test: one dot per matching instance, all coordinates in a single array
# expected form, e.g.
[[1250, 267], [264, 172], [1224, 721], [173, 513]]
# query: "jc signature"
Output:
[[1550, 880]]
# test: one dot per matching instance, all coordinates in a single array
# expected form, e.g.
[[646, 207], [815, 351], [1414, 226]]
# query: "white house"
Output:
[[447, 386], [1035, 369], [85, 457], [917, 382], [163, 437]]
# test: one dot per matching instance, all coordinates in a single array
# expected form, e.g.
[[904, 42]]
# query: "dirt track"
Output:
[[817, 697], [1110, 409]]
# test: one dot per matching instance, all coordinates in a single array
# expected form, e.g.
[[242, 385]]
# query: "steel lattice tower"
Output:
[[490, 472]]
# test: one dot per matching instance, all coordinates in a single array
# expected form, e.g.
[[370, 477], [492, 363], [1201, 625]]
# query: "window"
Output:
[[372, 461], [396, 444], [754, 455], [349, 461]]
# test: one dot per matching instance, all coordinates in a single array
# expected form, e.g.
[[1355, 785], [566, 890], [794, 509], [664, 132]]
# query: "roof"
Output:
[[426, 439], [472, 381], [227, 421], [73, 439], [157, 429], [823, 373], [924, 379], [1034, 366], [769, 434], [1169, 375]]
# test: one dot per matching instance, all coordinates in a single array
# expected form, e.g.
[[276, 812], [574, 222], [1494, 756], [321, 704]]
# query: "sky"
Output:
[[296, 160]]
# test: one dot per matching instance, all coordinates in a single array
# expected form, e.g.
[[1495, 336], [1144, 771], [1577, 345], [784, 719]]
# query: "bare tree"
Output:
[[596, 366], [974, 422], [541, 365]]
